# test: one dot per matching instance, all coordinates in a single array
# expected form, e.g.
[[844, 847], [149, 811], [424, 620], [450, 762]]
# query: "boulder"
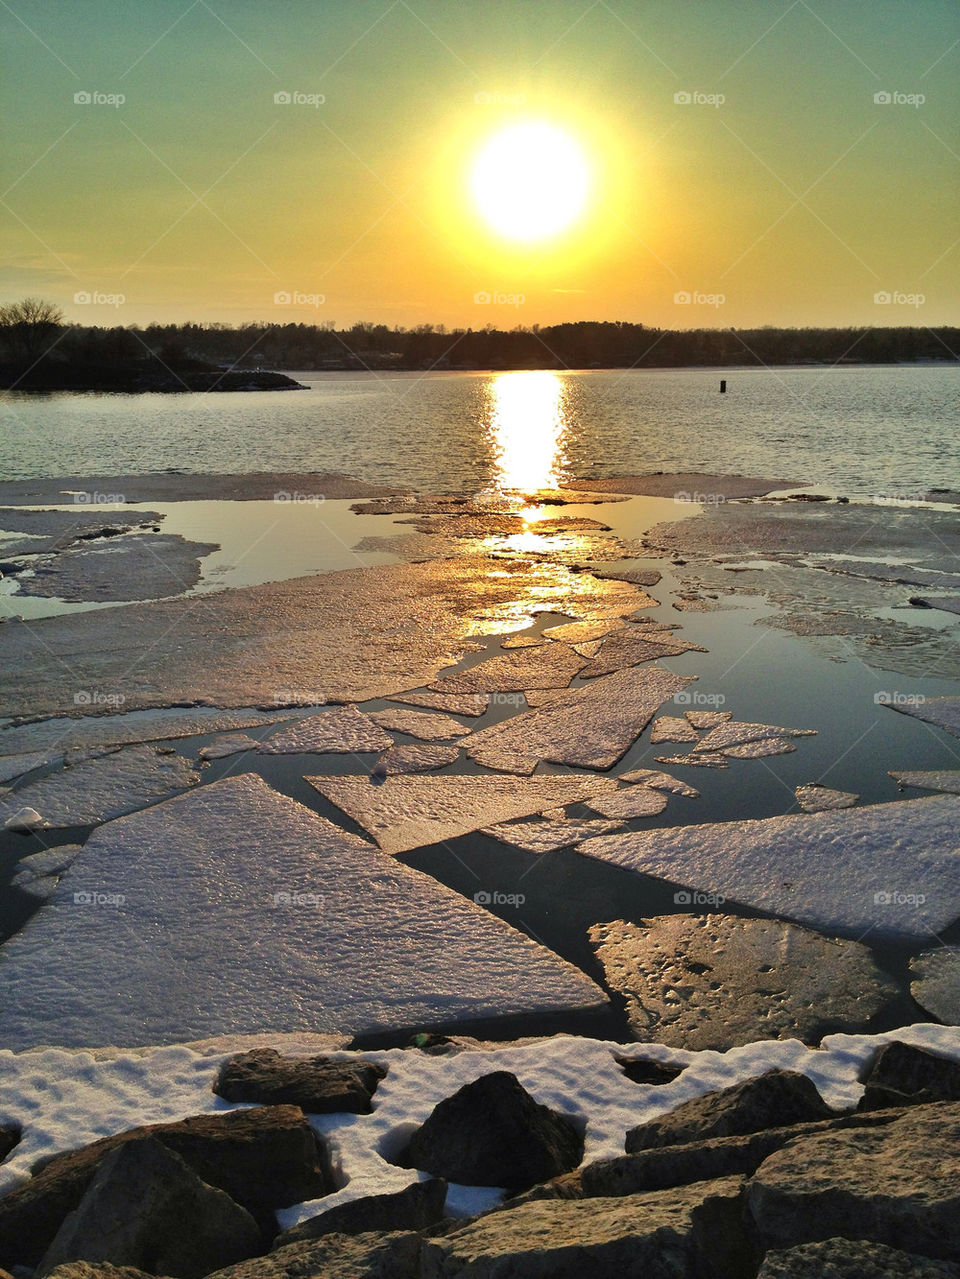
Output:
[[415, 1208], [146, 1208], [852, 1259], [644, 1071], [9, 1137], [92, 1270], [376, 1255], [266, 1157], [315, 1084], [773, 1100], [697, 1230], [493, 1133], [901, 1075], [894, 1184]]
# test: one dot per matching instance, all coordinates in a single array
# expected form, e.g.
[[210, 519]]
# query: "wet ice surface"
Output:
[[272, 919], [547, 836], [419, 724], [414, 759], [344, 729], [820, 799], [935, 983], [941, 779], [135, 566], [89, 732], [944, 712]]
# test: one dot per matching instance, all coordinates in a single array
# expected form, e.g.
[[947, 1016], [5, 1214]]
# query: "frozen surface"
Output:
[[411, 812], [229, 744], [12, 766], [39, 874], [414, 759], [99, 789], [547, 836], [734, 733], [456, 703], [935, 983], [713, 760], [888, 871], [660, 781], [581, 632], [760, 750], [235, 910], [636, 801], [91, 731], [590, 726], [429, 728], [343, 730], [135, 566], [65, 1099], [821, 799], [941, 779], [548, 666], [708, 719], [671, 728], [634, 645]]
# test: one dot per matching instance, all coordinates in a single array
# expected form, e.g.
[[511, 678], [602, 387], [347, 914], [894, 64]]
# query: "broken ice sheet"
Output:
[[420, 724], [935, 983], [504, 761], [91, 731], [414, 759], [944, 712], [97, 790], [734, 733], [742, 980], [761, 749], [636, 644], [547, 836], [271, 918], [473, 704], [342, 730], [660, 781], [581, 632], [635, 801], [549, 666], [671, 728], [941, 779], [707, 719], [39, 874], [522, 641], [884, 871], [713, 760], [536, 697], [12, 766], [229, 744], [590, 727], [135, 566], [410, 812], [820, 799]]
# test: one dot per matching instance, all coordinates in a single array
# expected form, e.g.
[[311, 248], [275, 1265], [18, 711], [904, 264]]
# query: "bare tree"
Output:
[[28, 327]]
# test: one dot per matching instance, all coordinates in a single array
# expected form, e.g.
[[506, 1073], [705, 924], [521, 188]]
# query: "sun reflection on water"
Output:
[[526, 425]]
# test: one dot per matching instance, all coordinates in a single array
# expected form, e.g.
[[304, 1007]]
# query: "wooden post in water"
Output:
[[723, 386]]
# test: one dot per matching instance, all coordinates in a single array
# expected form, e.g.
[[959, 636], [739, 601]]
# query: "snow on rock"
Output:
[[233, 909], [91, 731], [889, 870], [343, 730], [671, 728], [429, 728], [733, 733], [941, 779], [549, 666], [410, 812], [936, 982], [944, 712], [821, 799], [547, 836], [107, 786]]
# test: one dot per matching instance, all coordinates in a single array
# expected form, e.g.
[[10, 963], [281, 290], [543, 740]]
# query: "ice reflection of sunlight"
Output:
[[526, 425]]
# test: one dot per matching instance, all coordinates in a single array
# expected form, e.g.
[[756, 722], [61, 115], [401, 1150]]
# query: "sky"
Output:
[[743, 163]]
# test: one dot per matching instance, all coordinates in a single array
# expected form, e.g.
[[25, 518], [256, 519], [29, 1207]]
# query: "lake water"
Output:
[[854, 430]]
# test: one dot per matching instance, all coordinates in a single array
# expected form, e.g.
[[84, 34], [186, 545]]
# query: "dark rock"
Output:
[[9, 1137], [493, 1133], [415, 1208], [892, 1184], [315, 1084], [91, 1270], [642, 1071], [264, 1158], [852, 1259], [694, 1231], [901, 1075], [146, 1208], [774, 1100], [376, 1255]]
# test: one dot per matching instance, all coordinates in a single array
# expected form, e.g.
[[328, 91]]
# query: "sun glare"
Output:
[[526, 425], [530, 181]]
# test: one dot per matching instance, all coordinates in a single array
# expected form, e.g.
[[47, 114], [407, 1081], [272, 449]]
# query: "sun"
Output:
[[530, 181]]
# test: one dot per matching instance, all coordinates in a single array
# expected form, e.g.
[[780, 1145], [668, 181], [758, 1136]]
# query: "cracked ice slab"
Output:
[[97, 790], [548, 666], [941, 779], [821, 799], [635, 801], [888, 870], [935, 983], [660, 781], [269, 918], [734, 733], [229, 744], [474, 704], [414, 759], [410, 812], [944, 712], [588, 727], [547, 836], [12, 766], [634, 645], [671, 728], [342, 730], [760, 749], [88, 732], [429, 728]]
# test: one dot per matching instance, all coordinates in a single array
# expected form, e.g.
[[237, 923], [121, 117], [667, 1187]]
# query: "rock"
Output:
[[415, 1208], [716, 981], [852, 1259], [493, 1133], [315, 1084], [901, 1074], [935, 982], [9, 1137], [695, 1231], [774, 1100], [146, 1208], [394, 1255], [91, 1270], [644, 1071], [264, 1158], [890, 1184]]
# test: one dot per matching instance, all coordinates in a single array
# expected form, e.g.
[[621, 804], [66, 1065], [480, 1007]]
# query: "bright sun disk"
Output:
[[530, 181]]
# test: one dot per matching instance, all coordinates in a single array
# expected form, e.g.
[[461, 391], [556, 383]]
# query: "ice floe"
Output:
[[39, 874], [87, 732], [671, 728], [547, 836], [229, 744], [590, 726], [888, 870], [410, 812], [136, 566], [267, 917], [715, 981], [941, 779], [12, 766], [99, 789], [581, 632], [711, 760], [660, 781], [342, 730], [708, 719], [634, 645], [427, 727], [935, 983], [760, 749], [414, 759], [550, 666], [821, 799], [735, 733], [944, 712], [473, 704], [636, 801]]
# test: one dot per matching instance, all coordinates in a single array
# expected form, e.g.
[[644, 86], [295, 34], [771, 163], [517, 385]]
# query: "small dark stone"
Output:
[[774, 1100], [852, 1259], [9, 1137], [902, 1075], [315, 1084], [644, 1071], [493, 1133], [415, 1208]]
